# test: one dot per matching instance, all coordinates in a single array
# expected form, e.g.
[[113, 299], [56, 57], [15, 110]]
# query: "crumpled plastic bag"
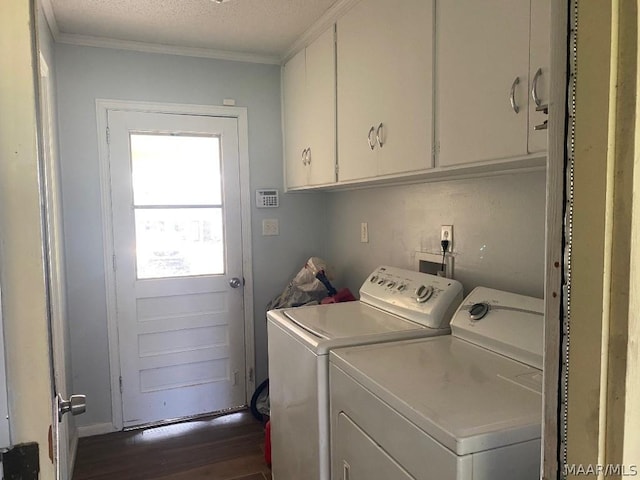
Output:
[[305, 288]]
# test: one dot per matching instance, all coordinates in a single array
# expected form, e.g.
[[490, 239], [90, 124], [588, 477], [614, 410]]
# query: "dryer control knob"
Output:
[[478, 311]]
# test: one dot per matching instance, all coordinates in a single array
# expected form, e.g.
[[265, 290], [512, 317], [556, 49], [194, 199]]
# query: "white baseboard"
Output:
[[95, 429]]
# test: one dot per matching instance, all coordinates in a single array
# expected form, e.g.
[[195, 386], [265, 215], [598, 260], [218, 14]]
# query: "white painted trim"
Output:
[[104, 42], [95, 429], [554, 248], [240, 113], [50, 16], [319, 27]]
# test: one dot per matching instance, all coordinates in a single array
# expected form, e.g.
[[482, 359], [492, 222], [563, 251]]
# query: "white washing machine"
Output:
[[466, 406], [394, 304]]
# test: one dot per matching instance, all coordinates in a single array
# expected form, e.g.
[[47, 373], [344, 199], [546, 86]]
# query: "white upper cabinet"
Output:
[[539, 61], [484, 79], [385, 88], [310, 114]]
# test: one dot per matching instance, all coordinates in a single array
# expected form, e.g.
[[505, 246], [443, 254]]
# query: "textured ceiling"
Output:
[[261, 27]]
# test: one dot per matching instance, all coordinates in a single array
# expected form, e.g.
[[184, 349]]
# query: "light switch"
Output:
[[270, 227]]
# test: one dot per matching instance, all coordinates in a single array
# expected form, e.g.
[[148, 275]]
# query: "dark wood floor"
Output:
[[221, 448]]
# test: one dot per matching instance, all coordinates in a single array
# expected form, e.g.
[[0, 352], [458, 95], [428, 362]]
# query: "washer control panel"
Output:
[[416, 296]]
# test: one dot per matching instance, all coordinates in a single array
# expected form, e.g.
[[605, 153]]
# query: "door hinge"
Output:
[[120, 380], [251, 374], [108, 136], [113, 260], [337, 171]]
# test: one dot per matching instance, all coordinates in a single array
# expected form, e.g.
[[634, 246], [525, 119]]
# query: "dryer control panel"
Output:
[[416, 296]]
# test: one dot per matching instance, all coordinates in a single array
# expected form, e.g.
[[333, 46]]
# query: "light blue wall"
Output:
[[84, 74], [498, 230]]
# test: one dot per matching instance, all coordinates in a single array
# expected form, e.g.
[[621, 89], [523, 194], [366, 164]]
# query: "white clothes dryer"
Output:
[[466, 406], [394, 304]]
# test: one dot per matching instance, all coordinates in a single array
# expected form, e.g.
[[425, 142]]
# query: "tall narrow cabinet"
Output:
[[309, 86]]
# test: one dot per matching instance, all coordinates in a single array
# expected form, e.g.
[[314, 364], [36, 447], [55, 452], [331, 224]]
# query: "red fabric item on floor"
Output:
[[267, 443]]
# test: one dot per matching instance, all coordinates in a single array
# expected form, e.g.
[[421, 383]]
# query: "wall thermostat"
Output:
[[267, 198]]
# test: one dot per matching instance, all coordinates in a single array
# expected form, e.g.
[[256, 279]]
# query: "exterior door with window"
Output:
[[175, 193]]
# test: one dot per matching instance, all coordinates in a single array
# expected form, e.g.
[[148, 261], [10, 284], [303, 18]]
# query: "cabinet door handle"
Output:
[[309, 156], [542, 126], [379, 133], [304, 156], [372, 144], [512, 95], [346, 470], [534, 88]]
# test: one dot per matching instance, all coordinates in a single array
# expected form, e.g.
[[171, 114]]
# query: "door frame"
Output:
[[240, 114]]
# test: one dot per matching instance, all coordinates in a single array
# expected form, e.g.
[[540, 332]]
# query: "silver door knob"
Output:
[[235, 282], [76, 405]]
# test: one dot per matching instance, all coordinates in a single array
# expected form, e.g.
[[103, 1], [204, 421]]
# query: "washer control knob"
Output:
[[373, 278], [391, 284], [423, 293], [381, 281], [478, 311], [401, 287]]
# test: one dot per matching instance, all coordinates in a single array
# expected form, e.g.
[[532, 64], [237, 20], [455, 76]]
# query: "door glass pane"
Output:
[[177, 242], [175, 169]]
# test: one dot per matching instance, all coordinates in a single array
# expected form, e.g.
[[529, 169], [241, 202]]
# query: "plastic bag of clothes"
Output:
[[305, 288]]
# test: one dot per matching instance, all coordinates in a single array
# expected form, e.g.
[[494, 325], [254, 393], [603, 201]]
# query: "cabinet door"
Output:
[[403, 47], [539, 59], [385, 76], [358, 91], [294, 91], [321, 108], [481, 48]]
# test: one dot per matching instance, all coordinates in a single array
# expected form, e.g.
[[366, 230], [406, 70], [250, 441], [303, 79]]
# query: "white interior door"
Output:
[[64, 429], [175, 192]]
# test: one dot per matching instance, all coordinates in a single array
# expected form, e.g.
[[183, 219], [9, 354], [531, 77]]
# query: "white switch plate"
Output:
[[270, 227], [364, 232]]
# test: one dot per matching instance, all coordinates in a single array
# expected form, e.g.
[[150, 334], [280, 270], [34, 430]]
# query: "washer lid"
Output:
[[464, 396], [349, 319]]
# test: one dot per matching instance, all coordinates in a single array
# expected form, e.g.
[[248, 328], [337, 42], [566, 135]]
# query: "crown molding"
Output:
[[320, 26], [103, 42]]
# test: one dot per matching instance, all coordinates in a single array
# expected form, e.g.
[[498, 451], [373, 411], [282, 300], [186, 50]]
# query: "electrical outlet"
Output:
[[270, 227], [446, 233], [364, 232]]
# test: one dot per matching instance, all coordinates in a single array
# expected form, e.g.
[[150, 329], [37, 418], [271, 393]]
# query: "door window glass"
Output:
[[177, 197]]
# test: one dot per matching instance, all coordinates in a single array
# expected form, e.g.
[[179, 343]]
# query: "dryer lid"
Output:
[[468, 398], [503, 322]]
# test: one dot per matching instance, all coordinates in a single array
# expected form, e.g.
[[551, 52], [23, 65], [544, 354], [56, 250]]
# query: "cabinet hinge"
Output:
[[435, 150], [108, 136], [251, 374], [113, 260], [120, 383], [337, 170]]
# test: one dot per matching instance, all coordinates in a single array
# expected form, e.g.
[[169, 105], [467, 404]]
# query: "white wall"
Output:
[[84, 74], [498, 228]]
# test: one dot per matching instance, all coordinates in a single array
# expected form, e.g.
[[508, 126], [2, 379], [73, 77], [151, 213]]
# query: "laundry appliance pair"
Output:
[[378, 389]]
